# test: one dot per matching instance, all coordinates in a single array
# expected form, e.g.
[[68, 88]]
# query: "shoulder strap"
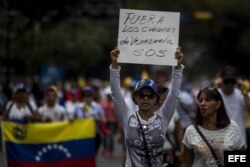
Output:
[[209, 146], [144, 140], [30, 107], [10, 106], [8, 109]]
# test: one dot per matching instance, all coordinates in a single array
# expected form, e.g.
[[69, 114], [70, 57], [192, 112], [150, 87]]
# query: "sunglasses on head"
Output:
[[207, 88], [149, 95], [229, 81]]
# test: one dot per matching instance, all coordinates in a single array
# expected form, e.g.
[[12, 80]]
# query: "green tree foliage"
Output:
[[78, 34], [75, 47], [57, 33]]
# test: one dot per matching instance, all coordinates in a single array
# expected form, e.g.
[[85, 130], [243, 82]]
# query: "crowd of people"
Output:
[[204, 126], [77, 104], [158, 124]]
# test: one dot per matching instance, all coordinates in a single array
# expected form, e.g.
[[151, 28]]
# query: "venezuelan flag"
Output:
[[60, 144]]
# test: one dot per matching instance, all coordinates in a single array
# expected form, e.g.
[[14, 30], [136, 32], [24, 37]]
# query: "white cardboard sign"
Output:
[[148, 37]]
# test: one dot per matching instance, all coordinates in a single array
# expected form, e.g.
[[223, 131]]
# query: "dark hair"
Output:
[[162, 89], [229, 72], [222, 116], [20, 87], [87, 91]]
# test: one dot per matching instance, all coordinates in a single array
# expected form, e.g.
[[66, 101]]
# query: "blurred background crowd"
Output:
[[67, 44]]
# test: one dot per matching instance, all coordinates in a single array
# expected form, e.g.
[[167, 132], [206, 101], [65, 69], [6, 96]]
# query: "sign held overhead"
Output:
[[148, 37]]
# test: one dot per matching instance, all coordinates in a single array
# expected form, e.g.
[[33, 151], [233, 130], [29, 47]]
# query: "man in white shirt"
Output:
[[236, 100], [72, 105], [51, 111], [20, 109]]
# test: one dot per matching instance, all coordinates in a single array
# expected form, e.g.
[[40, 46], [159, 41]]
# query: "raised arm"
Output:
[[179, 58], [114, 56], [169, 105], [119, 102]]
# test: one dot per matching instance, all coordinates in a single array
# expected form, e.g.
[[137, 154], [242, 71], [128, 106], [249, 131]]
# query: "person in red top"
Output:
[[111, 123]]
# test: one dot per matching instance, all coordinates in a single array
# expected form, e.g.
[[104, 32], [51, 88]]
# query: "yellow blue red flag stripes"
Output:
[[61, 144]]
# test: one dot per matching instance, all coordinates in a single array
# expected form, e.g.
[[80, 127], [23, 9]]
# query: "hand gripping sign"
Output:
[[148, 37]]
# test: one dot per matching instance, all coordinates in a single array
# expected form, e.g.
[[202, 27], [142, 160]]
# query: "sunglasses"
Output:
[[229, 81], [207, 88], [149, 95], [210, 92]]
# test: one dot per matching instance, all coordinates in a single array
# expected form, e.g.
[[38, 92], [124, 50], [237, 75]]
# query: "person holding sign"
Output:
[[144, 130]]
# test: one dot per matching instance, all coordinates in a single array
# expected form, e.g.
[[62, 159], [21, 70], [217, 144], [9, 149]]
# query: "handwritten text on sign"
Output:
[[148, 37]]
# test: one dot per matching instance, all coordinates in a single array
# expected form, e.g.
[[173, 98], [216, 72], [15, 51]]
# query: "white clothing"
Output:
[[171, 132], [55, 113], [185, 108], [128, 97], [19, 113], [154, 129], [227, 138], [94, 110], [71, 108], [235, 106]]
